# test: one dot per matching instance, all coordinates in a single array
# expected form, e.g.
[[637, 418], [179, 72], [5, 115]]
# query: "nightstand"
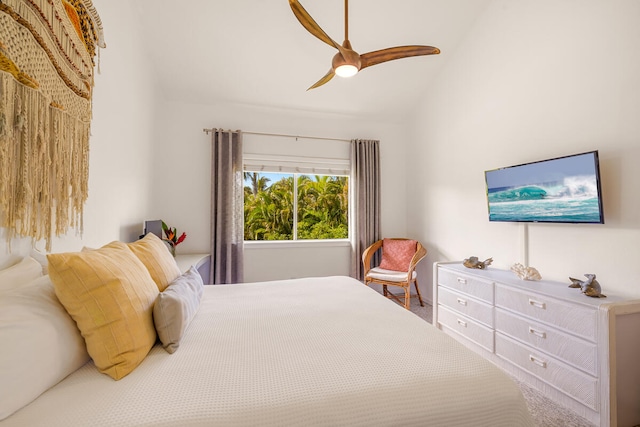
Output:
[[201, 261]]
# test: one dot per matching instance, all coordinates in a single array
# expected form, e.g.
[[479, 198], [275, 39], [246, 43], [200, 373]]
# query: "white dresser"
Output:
[[582, 352]]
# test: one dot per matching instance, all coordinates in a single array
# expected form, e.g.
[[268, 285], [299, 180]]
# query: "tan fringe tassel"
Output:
[[46, 80], [44, 156]]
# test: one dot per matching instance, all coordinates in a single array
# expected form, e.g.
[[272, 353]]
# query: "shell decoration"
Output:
[[525, 273]]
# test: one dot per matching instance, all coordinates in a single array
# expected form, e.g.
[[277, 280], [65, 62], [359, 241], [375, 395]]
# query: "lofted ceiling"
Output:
[[255, 52]]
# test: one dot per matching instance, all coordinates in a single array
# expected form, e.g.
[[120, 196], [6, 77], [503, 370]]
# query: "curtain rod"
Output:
[[208, 131]]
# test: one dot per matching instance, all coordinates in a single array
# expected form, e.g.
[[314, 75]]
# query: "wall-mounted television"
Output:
[[564, 189]]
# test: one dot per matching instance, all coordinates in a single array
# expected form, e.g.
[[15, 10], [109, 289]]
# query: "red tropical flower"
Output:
[[172, 235]]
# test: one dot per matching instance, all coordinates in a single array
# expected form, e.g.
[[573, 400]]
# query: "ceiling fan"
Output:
[[347, 62]]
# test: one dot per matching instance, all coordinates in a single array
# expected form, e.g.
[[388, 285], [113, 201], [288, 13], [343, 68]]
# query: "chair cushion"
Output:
[[389, 275], [397, 254]]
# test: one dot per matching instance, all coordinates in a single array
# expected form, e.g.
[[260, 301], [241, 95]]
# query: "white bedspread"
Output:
[[318, 351]]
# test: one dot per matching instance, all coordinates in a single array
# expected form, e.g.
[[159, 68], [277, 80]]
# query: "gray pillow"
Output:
[[175, 307]]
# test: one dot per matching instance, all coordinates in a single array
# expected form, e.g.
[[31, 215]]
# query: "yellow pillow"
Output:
[[110, 295], [156, 257]]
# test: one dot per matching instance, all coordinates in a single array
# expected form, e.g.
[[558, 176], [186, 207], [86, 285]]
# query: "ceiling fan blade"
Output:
[[398, 52], [312, 26], [323, 80]]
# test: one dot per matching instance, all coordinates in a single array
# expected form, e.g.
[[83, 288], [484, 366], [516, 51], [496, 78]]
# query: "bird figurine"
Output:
[[589, 287], [472, 262]]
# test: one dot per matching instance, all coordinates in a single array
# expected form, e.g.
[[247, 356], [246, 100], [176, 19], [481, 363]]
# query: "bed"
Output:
[[315, 351]]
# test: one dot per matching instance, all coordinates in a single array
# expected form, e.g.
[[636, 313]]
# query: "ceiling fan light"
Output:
[[346, 70]]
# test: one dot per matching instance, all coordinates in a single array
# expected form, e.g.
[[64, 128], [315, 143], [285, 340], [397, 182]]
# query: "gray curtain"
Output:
[[365, 175], [227, 212]]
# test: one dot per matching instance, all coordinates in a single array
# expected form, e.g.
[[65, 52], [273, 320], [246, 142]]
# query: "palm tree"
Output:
[[322, 208], [258, 182], [269, 213]]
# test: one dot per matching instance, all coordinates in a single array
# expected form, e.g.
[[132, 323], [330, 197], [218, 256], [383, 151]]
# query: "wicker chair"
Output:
[[393, 278]]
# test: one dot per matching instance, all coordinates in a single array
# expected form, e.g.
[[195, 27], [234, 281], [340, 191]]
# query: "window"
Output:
[[295, 206], [296, 190]]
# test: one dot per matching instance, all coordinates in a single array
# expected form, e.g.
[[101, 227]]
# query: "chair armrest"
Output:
[[368, 254], [421, 252]]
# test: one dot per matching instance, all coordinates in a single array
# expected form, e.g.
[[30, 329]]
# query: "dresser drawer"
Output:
[[470, 307], [466, 327], [577, 352], [478, 288], [578, 319], [576, 384]]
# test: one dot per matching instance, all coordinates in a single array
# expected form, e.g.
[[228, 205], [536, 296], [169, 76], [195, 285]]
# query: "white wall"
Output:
[[185, 177], [122, 136], [534, 80], [149, 159]]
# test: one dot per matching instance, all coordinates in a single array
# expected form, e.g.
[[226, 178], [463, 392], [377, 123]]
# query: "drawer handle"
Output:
[[537, 304], [462, 281], [462, 302], [537, 333], [537, 361], [462, 323]]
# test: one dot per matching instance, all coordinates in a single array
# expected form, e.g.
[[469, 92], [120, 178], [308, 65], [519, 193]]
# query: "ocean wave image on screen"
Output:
[[573, 200]]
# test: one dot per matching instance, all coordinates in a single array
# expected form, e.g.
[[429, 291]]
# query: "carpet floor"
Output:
[[544, 411]]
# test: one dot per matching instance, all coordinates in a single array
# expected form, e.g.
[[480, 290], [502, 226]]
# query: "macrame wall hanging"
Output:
[[47, 52]]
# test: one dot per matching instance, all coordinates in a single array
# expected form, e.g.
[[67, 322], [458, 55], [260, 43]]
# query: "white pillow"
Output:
[[40, 344], [20, 274], [42, 260], [9, 260], [176, 306]]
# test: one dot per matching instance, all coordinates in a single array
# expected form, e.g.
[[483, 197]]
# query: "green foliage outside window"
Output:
[[322, 211]]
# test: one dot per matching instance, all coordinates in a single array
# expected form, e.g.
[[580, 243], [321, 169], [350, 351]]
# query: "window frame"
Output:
[[295, 242]]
